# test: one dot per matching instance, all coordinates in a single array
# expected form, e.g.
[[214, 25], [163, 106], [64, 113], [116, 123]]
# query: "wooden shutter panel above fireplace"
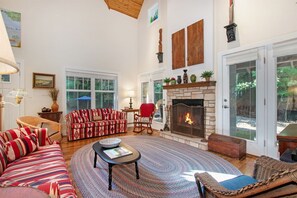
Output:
[[195, 49], [178, 49]]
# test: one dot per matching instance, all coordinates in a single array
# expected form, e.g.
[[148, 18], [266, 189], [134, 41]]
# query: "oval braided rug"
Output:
[[166, 169]]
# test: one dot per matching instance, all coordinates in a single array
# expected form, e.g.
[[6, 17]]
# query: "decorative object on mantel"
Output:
[[167, 81], [230, 29], [173, 81], [160, 53], [188, 85], [193, 78], [179, 80], [185, 77], [207, 75], [54, 95]]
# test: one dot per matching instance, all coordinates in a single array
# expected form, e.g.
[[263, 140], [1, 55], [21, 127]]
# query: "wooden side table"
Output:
[[287, 138], [130, 111], [54, 116]]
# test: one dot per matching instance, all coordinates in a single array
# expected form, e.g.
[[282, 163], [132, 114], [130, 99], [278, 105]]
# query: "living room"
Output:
[[84, 39]]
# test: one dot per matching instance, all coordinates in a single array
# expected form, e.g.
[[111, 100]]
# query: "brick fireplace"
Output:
[[201, 91]]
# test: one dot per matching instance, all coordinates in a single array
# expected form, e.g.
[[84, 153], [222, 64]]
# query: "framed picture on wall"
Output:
[[153, 13], [5, 78], [46, 81], [12, 21]]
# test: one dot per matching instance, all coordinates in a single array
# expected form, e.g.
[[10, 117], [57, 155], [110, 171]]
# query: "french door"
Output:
[[243, 105], [259, 94]]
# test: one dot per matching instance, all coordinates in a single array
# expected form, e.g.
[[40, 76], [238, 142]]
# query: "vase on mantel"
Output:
[[55, 106], [179, 80], [185, 77]]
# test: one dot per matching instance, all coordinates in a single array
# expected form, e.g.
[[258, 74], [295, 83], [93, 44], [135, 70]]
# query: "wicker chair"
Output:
[[34, 122], [275, 179]]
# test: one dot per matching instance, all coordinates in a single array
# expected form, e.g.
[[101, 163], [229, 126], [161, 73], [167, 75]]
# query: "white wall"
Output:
[[78, 34], [182, 14], [175, 15], [257, 21], [148, 40]]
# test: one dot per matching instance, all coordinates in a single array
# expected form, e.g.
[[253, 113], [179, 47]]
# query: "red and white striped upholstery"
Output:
[[44, 168], [87, 123]]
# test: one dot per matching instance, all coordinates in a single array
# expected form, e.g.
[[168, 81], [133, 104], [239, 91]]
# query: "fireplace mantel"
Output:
[[187, 85]]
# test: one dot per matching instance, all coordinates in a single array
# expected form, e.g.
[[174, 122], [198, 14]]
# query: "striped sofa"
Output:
[[28, 158], [87, 123]]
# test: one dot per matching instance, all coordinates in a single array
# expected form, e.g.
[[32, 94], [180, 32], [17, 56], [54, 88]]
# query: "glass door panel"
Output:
[[158, 100], [243, 98], [242, 82], [286, 91], [144, 92]]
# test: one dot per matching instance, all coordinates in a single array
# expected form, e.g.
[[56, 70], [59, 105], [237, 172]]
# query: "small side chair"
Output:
[[271, 178], [143, 120]]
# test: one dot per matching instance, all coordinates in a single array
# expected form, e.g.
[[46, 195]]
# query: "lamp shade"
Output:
[[131, 93], [7, 61]]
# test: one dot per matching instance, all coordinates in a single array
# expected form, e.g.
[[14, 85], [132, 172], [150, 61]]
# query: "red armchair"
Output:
[[144, 119]]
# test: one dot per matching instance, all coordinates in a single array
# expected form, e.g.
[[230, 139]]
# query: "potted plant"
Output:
[[173, 81], [207, 75], [167, 81], [53, 93]]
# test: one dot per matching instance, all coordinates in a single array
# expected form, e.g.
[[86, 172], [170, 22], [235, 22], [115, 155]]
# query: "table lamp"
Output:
[[131, 94]]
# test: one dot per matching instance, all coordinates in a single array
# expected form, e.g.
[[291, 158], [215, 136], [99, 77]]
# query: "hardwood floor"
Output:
[[69, 148]]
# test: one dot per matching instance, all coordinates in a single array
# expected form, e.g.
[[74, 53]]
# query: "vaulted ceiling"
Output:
[[129, 7]]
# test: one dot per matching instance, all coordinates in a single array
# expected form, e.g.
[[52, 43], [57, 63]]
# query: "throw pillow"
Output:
[[20, 147], [3, 160], [77, 118], [25, 131], [12, 134], [2, 140], [97, 118], [31, 143], [42, 136], [50, 131], [15, 149], [84, 113], [238, 182]]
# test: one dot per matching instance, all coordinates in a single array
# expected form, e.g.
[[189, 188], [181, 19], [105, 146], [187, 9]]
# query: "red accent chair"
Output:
[[144, 119]]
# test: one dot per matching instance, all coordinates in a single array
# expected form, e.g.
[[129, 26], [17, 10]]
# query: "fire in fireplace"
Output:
[[187, 117]]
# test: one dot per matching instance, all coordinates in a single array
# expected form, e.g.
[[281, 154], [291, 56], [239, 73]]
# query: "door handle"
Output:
[[225, 107]]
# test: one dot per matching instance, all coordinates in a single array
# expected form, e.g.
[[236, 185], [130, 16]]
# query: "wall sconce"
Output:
[[230, 29], [160, 57], [131, 94], [160, 53], [18, 94]]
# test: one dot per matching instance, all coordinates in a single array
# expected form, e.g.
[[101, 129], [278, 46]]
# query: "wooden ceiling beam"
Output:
[[129, 7]]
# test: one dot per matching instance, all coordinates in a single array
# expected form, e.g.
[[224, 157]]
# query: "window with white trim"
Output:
[[85, 90]]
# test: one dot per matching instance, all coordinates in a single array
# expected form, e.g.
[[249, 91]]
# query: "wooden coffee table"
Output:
[[132, 158]]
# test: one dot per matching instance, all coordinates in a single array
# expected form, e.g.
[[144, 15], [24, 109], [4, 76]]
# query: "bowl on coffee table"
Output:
[[110, 142]]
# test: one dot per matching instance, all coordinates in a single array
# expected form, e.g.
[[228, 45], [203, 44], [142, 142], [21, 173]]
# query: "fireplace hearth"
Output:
[[187, 117]]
